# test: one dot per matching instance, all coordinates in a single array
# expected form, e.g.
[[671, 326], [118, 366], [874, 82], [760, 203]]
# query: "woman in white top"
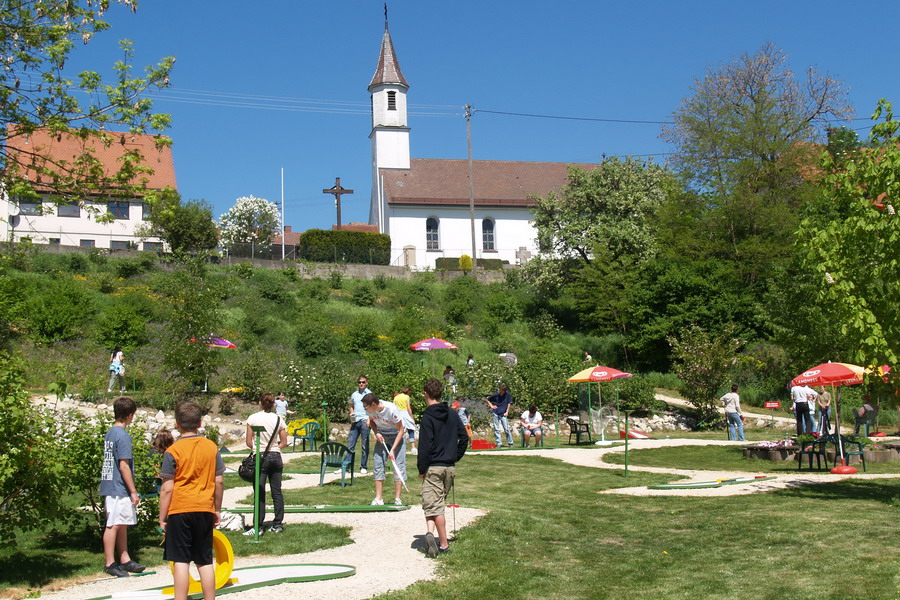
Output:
[[116, 370], [732, 403], [271, 466]]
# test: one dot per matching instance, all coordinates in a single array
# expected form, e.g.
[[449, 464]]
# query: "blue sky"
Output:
[[271, 84]]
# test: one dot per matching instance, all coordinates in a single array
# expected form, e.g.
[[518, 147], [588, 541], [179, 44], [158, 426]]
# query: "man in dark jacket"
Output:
[[442, 442]]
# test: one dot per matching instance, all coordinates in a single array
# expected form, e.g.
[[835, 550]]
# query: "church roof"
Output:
[[388, 69], [444, 182]]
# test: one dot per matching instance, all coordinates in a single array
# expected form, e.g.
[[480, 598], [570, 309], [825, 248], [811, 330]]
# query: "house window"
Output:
[[86, 243], [118, 209], [145, 211], [29, 208], [487, 235], [118, 245], [392, 100], [69, 209], [54, 241], [432, 242], [153, 246]]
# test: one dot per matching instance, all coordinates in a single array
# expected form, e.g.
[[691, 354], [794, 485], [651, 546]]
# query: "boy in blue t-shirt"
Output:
[[119, 492]]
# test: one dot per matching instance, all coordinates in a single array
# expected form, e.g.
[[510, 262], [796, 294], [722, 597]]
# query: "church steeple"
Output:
[[388, 70]]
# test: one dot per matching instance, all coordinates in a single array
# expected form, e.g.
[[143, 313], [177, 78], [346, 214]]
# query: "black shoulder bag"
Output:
[[247, 470]]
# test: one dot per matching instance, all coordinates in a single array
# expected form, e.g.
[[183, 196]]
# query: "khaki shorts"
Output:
[[435, 487], [120, 511]]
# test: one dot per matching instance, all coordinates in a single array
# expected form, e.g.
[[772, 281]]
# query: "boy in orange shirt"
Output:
[[190, 501]]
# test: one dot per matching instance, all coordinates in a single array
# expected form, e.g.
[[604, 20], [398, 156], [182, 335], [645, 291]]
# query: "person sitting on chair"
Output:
[[531, 425]]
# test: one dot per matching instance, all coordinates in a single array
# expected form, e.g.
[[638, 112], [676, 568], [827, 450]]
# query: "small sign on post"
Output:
[[773, 404]]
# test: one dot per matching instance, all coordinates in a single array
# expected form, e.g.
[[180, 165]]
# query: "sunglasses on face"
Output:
[[363, 382]]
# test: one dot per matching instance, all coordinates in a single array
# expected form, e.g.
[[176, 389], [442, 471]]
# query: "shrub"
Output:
[[380, 281], [314, 336], [364, 294], [361, 334], [122, 324], [316, 289], [58, 311], [637, 394], [129, 267], [77, 263], [270, 286], [336, 280], [244, 270], [667, 381]]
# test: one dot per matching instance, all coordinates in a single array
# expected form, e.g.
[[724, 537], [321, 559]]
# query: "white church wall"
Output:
[[381, 115], [512, 230]]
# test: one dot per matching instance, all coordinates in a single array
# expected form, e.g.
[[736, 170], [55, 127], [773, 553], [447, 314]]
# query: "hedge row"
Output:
[[321, 245]]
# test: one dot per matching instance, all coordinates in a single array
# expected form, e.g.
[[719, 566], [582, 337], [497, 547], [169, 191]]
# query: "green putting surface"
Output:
[[325, 508], [697, 485]]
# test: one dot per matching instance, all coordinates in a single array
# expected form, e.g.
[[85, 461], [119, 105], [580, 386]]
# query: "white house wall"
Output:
[[512, 230], [71, 231]]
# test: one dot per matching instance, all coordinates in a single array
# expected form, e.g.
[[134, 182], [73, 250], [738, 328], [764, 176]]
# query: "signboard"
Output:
[[773, 404]]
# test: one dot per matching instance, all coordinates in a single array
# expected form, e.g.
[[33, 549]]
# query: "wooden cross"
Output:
[[337, 191]]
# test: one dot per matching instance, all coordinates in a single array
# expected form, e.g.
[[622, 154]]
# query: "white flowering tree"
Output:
[[250, 220]]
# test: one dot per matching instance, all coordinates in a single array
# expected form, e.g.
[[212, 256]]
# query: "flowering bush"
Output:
[[252, 220]]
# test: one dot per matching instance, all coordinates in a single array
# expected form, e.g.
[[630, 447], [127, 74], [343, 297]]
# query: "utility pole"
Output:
[[337, 191], [282, 213], [471, 189]]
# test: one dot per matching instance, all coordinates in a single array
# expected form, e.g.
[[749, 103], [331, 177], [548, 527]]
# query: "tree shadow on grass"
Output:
[[882, 491]]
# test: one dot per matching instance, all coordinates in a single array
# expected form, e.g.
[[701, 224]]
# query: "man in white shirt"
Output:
[[531, 425], [386, 423], [800, 406]]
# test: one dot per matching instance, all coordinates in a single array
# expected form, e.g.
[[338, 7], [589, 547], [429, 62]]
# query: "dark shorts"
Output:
[[189, 538]]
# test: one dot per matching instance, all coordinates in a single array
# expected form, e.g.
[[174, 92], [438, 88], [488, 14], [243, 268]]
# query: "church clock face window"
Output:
[[432, 242], [392, 100], [487, 235]]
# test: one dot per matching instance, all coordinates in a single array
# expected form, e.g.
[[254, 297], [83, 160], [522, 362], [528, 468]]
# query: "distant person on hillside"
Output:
[[824, 402], [732, 403], [281, 406], [450, 378], [116, 370], [470, 362], [499, 404], [532, 425], [404, 405], [587, 357]]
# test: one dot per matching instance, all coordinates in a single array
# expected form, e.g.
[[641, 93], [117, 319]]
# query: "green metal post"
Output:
[[324, 422], [257, 430], [626, 443]]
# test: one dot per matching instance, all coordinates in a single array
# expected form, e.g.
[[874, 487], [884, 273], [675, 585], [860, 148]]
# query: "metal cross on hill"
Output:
[[337, 191]]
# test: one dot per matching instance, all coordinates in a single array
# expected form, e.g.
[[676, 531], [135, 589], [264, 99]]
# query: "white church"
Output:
[[423, 204]]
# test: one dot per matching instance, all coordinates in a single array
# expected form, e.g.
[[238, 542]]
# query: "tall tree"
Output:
[[854, 248], [743, 143], [39, 91], [185, 227]]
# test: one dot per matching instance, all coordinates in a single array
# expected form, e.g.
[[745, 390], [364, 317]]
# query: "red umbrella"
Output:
[[598, 373], [433, 344], [833, 374]]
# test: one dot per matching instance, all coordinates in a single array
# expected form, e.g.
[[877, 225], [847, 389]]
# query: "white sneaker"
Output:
[[363, 471], [398, 502], [251, 532], [377, 502]]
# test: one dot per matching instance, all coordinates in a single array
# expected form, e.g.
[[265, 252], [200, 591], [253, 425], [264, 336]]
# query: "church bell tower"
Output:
[[390, 132]]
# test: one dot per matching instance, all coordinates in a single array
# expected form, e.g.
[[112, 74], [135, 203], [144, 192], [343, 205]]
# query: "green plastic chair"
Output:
[[336, 456], [307, 433], [522, 436]]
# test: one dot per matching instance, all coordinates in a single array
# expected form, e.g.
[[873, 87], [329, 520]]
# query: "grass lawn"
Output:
[[721, 458], [555, 537]]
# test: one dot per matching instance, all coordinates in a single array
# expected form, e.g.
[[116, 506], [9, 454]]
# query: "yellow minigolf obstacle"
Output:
[[223, 557]]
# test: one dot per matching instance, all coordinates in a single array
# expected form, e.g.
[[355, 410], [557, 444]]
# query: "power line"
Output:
[[566, 118]]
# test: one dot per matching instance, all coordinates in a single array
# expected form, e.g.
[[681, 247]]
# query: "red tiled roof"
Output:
[[66, 148], [357, 227], [291, 238], [431, 181], [388, 69]]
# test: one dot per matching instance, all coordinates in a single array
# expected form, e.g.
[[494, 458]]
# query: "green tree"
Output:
[[743, 144], [611, 206], [184, 226], [31, 471], [38, 90], [704, 361], [854, 249]]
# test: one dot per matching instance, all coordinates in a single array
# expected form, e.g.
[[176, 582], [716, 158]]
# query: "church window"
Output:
[[432, 242], [487, 235], [392, 100]]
